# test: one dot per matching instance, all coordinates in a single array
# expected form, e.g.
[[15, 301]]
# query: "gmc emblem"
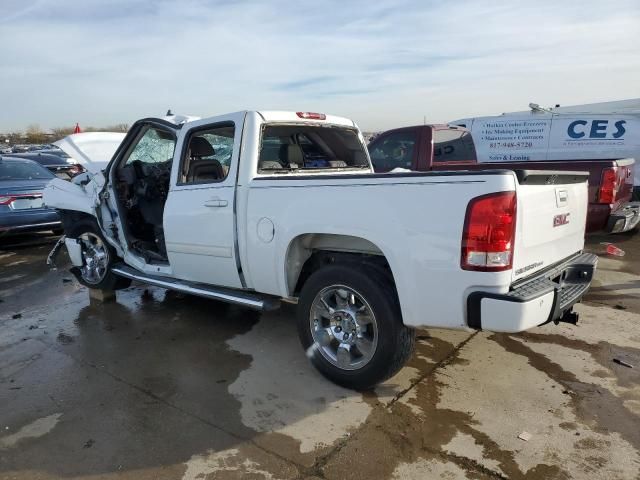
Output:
[[561, 219]]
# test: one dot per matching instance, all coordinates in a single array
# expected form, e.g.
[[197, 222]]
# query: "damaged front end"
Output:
[[74, 250], [79, 195]]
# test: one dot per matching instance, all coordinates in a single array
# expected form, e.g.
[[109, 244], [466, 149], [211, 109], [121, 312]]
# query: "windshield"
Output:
[[310, 147], [23, 171]]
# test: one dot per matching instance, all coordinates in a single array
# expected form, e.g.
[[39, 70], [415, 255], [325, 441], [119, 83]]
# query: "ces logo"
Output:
[[598, 129]]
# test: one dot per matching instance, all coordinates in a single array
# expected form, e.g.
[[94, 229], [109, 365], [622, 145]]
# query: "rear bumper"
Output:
[[540, 299], [624, 219]]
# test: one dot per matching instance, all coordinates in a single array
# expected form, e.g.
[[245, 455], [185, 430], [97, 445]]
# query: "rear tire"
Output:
[[350, 324], [98, 258]]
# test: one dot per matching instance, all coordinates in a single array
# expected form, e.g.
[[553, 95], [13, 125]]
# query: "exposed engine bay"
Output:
[[142, 190]]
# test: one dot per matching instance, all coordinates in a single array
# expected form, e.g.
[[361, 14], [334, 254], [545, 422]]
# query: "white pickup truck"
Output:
[[254, 207]]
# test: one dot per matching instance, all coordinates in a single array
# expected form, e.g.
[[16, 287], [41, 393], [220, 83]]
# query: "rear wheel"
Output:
[[349, 322], [97, 259]]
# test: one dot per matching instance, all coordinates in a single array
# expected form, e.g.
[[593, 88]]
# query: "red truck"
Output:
[[446, 147]]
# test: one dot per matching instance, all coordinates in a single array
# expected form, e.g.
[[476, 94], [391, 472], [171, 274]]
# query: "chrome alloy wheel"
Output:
[[343, 327], [95, 258]]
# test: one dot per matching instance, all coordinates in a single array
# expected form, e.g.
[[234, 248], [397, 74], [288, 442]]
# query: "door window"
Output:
[[393, 151], [207, 157], [453, 145]]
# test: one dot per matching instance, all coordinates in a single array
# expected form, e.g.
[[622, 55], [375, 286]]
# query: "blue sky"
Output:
[[384, 63]]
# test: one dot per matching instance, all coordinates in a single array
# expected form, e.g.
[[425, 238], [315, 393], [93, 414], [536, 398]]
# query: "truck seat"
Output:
[[201, 169], [291, 154]]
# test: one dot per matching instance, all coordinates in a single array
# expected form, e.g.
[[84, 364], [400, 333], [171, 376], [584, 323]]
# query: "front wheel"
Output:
[[97, 259], [349, 322]]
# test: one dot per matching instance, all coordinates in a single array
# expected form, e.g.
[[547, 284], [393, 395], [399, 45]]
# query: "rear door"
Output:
[[199, 218], [550, 225]]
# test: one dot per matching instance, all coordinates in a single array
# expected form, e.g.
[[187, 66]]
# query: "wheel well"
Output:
[[70, 218], [310, 252]]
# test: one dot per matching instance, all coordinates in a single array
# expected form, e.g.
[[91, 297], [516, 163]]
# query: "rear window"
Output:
[[304, 147], [453, 145], [10, 170], [393, 150]]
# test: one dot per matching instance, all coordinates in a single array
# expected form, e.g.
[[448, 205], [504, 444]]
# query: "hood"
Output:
[[93, 150]]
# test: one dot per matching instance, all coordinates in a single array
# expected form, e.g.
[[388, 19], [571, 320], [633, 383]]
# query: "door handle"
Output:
[[216, 202]]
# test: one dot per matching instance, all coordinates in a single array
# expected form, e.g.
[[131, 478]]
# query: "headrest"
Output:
[[199, 147], [202, 170], [291, 154]]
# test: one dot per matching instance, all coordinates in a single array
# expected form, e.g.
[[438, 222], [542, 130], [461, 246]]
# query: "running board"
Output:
[[236, 297]]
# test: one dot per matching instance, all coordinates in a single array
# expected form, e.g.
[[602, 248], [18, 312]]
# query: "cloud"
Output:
[[304, 83], [384, 64]]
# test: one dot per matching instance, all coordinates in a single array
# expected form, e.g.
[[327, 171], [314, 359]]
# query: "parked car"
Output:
[[446, 147], [62, 166], [286, 205], [21, 206]]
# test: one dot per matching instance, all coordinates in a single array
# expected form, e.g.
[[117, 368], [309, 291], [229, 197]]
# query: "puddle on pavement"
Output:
[[474, 416], [596, 392], [281, 392], [127, 376]]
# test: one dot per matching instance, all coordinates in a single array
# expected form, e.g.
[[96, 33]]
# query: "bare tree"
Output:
[[34, 134]]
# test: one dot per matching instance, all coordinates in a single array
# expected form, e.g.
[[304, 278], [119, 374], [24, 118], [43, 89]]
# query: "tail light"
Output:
[[489, 233], [608, 186], [7, 199], [76, 169], [311, 115]]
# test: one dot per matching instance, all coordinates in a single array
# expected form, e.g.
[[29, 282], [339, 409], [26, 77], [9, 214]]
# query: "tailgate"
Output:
[[550, 226]]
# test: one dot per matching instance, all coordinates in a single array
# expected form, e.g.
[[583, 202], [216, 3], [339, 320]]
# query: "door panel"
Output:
[[199, 219]]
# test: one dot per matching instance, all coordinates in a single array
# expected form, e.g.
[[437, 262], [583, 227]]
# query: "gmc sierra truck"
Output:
[[254, 207], [447, 147]]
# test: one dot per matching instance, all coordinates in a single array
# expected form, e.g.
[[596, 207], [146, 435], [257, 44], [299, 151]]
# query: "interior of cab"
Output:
[[143, 175], [310, 147], [142, 186]]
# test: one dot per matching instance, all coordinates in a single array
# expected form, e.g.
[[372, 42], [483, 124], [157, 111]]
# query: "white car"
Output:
[[253, 207]]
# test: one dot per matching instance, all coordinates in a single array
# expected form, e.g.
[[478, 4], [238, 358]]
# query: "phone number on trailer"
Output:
[[511, 145]]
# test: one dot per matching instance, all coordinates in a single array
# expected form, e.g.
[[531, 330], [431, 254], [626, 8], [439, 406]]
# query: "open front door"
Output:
[[199, 221]]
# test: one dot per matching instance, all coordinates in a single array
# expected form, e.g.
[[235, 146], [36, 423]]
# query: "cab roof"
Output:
[[271, 116]]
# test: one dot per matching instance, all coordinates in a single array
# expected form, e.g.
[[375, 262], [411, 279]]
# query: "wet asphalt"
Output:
[[160, 385]]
